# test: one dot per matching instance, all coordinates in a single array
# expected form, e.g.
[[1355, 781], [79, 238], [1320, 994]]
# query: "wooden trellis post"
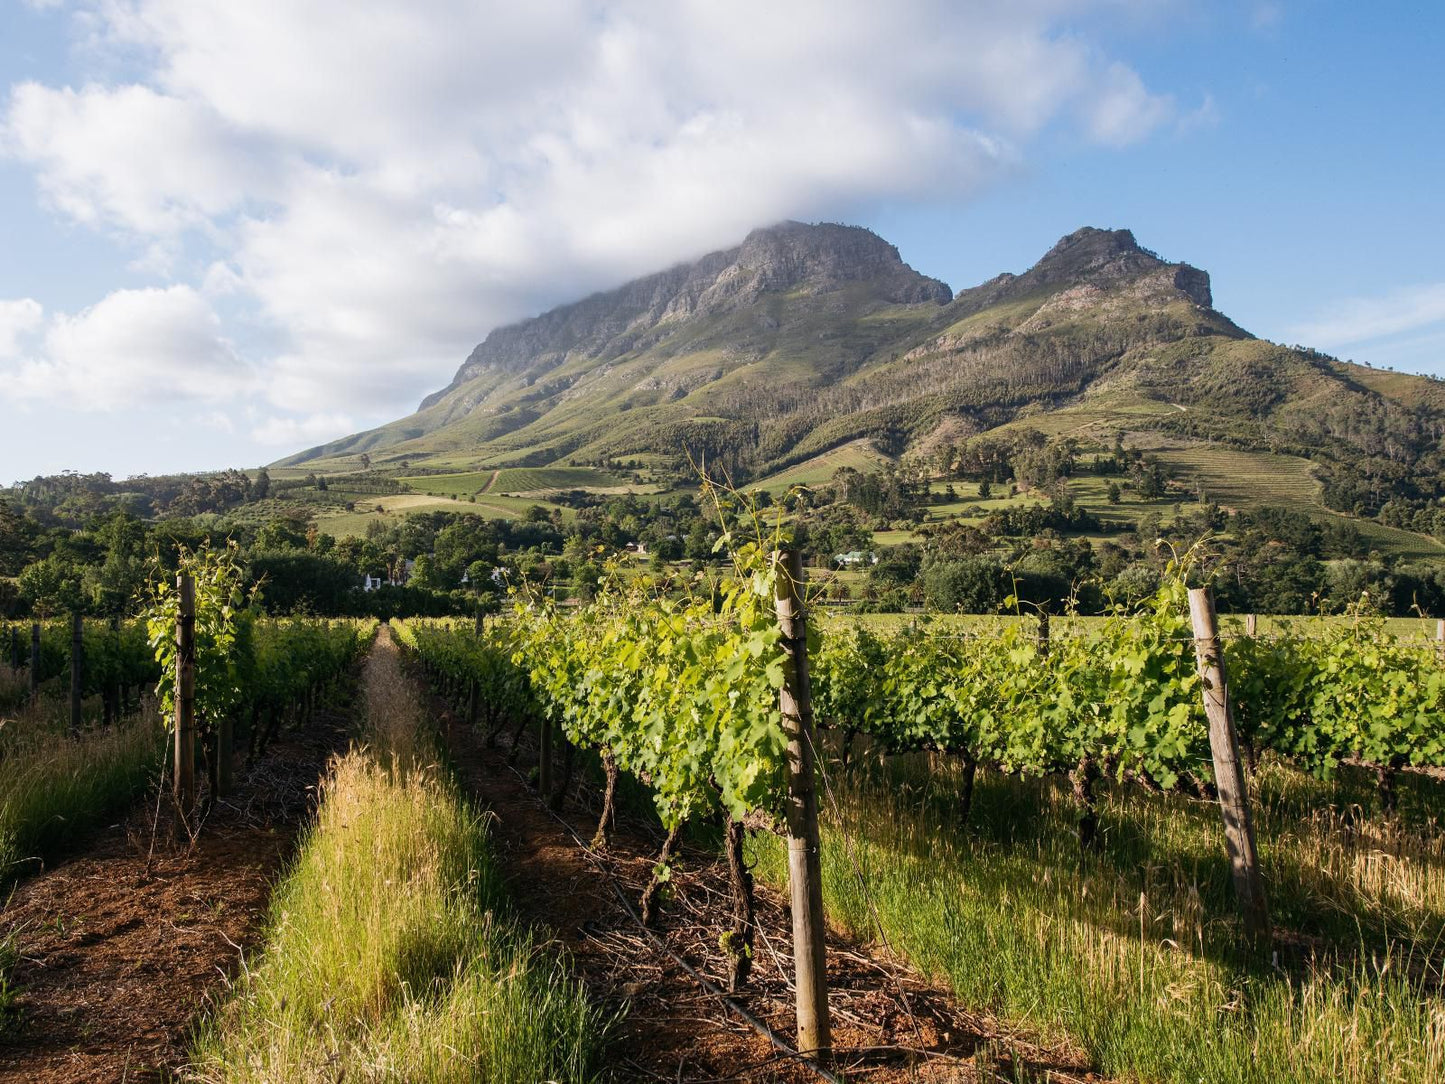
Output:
[[77, 669], [544, 757], [805, 877], [34, 661], [1228, 769], [185, 785]]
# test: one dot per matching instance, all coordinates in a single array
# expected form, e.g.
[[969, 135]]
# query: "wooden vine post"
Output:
[[34, 661], [1228, 769], [805, 877], [110, 696], [1251, 625], [1440, 637], [544, 756], [77, 667], [225, 754], [185, 788]]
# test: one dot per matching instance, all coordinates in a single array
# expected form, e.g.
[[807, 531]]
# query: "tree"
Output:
[[976, 585], [1114, 494], [282, 533], [296, 581], [426, 574], [53, 585]]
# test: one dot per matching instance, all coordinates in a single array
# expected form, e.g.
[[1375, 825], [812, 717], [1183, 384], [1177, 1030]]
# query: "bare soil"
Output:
[[124, 945], [889, 1024]]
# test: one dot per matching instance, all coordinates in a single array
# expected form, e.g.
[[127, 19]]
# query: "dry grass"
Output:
[[389, 958], [55, 787], [1133, 954]]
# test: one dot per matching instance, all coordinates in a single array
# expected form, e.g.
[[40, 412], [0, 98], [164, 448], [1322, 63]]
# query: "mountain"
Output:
[[806, 338]]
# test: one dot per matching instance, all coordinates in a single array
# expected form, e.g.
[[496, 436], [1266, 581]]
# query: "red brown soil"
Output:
[[888, 1024], [124, 945]]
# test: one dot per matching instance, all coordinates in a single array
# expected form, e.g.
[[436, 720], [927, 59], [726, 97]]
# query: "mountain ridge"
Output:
[[774, 258], [804, 337]]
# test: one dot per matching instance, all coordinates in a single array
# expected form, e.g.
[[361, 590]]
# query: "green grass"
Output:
[[1241, 479], [858, 454], [391, 509], [389, 954], [513, 480], [1230, 625], [55, 788], [544, 479], [1131, 955], [9, 993], [449, 485]]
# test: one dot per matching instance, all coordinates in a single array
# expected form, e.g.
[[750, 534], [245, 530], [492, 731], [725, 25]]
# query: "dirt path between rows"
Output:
[[673, 1030], [123, 946]]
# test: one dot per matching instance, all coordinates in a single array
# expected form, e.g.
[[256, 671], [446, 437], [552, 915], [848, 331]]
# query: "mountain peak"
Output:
[[828, 256], [802, 338], [1092, 255], [1100, 258], [814, 261]]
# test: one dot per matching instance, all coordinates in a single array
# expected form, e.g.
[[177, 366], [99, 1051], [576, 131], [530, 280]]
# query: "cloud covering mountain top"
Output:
[[333, 204]]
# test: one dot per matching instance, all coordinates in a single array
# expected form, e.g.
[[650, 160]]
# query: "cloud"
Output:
[[1205, 115], [406, 176], [134, 346], [18, 320], [1123, 111], [1358, 320], [298, 433], [1266, 16], [130, 157]]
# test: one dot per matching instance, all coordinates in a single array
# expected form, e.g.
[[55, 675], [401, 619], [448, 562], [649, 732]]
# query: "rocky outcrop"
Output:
[[785, 258]]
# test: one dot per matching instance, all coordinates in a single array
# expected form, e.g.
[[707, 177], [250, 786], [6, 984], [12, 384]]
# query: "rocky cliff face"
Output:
[[780, 259], [805, 336], [1099, 259]]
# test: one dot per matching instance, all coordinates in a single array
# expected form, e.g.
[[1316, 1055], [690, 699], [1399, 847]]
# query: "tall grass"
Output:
[[1131, 955], [389, 957], [14, 688], [54, 787]]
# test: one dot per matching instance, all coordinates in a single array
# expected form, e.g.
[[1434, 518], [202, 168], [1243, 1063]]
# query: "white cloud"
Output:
[[134, 346], [298, 433], [1362, 319], [1123, 111], [18, 320], [131, 157], [383, 184], [1205, 115], [1267, 16]]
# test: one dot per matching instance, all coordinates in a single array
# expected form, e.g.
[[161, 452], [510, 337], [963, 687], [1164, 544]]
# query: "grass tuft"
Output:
[[389, 956], [54, 787], [1131, 955]]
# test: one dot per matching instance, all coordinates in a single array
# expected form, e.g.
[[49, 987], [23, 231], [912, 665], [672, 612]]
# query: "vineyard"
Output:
[[1013, 848], [1103, 728], [85, 737]]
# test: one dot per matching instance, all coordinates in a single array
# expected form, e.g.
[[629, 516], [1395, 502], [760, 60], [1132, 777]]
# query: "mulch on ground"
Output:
[[889, 1024], [124, 945]]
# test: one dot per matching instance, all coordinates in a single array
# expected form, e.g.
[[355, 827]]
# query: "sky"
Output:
[[230, 231]]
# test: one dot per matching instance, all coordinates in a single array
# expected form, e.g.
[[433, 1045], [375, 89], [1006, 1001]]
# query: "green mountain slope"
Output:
[[806, 339]]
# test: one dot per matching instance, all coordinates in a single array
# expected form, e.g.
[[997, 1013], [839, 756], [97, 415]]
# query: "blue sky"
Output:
[[228, 232]]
